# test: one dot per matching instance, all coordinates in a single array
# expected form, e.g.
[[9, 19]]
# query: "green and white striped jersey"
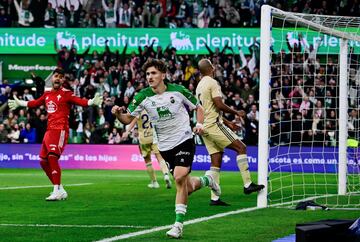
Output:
[[167, 113]]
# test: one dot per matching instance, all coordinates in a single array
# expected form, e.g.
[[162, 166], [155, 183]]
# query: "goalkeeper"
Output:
[[58, 103]]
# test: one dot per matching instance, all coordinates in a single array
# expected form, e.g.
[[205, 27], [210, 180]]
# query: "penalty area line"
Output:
[[193, 221], [29, 187], [75, 226]]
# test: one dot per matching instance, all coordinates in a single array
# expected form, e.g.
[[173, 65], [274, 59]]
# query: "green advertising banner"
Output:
[[19, 67], [186, 41]]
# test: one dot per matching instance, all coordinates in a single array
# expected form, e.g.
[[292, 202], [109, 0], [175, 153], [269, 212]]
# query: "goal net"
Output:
[[309, 109]]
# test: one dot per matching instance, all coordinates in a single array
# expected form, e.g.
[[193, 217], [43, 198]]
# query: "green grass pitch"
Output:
[[121, 198]]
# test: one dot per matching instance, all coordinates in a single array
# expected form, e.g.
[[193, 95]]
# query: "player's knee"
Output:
[[191, 187], [179, 179], [240, 148], [43, 161]]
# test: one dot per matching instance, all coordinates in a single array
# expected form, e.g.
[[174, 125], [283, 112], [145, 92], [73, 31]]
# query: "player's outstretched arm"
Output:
[[124, 118], [14, 104]]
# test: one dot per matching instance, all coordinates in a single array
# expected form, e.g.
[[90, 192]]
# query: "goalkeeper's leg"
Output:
[[46, 168]]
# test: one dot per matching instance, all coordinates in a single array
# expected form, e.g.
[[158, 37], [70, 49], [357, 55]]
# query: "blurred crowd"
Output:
[[117, 77], [157, 13]]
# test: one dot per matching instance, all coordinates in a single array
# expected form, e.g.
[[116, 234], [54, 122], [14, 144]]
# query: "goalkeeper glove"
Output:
[[14, 104], [96, 101]]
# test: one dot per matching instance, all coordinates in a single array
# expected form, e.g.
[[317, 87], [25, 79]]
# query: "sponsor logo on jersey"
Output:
[[163, 112], [51, 107]]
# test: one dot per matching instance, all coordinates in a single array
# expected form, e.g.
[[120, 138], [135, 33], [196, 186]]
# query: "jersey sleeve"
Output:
[[76, 100], [215, 89], [189, 99], [136, 106], [37, 102]]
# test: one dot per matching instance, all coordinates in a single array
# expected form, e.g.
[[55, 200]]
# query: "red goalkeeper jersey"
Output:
[[58, 104]]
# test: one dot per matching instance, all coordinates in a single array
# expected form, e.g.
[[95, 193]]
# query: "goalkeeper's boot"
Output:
[[57, 195], [64, 194], [153, 184], [212, 184], [167, 181], [253, 188], [176, 230]]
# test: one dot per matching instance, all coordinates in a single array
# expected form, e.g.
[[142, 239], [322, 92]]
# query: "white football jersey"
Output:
[[167, 113]]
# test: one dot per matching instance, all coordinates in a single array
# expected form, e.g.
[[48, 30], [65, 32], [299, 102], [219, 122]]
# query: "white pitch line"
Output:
[[193, 221], [27, 187], [74, 226]]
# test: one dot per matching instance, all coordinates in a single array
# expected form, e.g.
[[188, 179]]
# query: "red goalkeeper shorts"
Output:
[[54, 142]]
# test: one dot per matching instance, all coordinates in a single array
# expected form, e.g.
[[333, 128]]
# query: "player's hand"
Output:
[[199, 129], [14, 104], [96, 101], [232, 126], [117, 110], [241, 113]]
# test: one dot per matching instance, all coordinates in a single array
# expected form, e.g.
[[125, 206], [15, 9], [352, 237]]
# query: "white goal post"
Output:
[[291, 184]]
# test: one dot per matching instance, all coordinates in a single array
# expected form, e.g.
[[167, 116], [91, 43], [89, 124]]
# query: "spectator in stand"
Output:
[[232, 15], [125, 16], [72, 16], [110, 13], [27, 95], [50, 17], [60, 17], [28, 134], [24, 14], [39, 85], [3, 134], [114, 137], [14, 135], [153, 18]]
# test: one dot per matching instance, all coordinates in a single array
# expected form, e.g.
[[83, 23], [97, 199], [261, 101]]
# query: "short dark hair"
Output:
[[59, 71], [158, 64]]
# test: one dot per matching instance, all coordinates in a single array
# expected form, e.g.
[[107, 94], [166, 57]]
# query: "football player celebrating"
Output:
[[58, 103]]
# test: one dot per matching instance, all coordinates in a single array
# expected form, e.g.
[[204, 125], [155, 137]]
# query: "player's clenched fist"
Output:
[[117, 110]]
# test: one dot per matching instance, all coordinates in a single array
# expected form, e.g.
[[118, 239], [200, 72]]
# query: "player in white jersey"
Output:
[[164, 103]]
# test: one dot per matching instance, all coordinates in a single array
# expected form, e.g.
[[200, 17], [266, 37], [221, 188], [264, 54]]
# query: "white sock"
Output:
[[215, 173], [243, 165]]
